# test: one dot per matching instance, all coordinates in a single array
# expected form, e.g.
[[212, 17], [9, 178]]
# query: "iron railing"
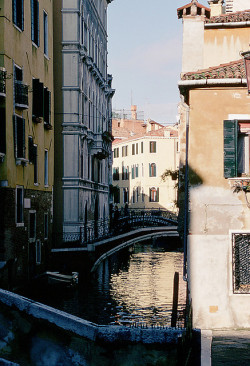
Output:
[[241, 263], [21, 94], [119, 223]]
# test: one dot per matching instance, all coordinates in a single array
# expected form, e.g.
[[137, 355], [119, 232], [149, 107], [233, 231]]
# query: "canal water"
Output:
[[132, 287]]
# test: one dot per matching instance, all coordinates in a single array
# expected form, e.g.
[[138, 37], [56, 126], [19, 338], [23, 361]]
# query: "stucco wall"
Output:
[[224, 44], [210, 281]]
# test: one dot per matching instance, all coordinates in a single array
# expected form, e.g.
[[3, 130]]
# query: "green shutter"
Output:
[[230, 148]]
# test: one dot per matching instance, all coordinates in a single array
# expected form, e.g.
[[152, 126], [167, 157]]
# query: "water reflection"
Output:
[[142, 288], [133, 286]]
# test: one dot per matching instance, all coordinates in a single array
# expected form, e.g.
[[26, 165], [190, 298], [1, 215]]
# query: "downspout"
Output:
[[186, 195]]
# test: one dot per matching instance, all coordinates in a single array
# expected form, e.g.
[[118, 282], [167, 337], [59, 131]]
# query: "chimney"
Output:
[[216, 7], [134, 111]]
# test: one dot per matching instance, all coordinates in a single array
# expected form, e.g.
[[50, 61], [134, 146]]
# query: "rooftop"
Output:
[[239, 16], [231, 70]]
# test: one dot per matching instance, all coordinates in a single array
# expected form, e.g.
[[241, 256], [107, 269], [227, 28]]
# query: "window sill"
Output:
[[17, 28], [2, 156], [36, 184], [46, 56], [22, 161], [20, 224]]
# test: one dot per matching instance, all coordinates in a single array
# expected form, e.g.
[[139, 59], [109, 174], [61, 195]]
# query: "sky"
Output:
[[144, 55]]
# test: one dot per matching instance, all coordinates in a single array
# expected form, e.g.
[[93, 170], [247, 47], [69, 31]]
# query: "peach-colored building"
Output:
[[214, 162]]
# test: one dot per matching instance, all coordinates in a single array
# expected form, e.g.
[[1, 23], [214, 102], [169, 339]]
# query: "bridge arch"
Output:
[[130, 242]]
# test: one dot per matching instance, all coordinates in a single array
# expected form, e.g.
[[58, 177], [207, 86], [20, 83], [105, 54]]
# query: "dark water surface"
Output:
[[133, 286]]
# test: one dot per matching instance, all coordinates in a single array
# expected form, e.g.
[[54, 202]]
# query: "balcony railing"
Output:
[[2, 82], [21, 95]]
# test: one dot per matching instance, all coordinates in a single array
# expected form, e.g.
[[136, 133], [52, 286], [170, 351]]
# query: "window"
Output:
[[19, 137], [18, 13], [32, 226], [19, 205], [45, 34], [136, 170], [133, 149], [2, 131], [35, 164], [142, 147], [35, 22], [125, 193], [133, 172], [236, 148], [125, 150], [21, 89], [46, 168], [46, 226], [152, 146], [125, 172], [117, 194], [152, 170], [153, 194], [116, 152], [137, 149], [241, 262], [115, 173], [38, 252]]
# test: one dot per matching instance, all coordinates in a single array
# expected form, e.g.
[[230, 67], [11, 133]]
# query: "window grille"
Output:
[[241, 263]]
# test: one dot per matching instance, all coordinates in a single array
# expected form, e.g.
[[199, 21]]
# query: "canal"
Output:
[[132, 287]]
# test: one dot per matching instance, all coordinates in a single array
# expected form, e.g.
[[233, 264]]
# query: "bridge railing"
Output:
[[119, 223]]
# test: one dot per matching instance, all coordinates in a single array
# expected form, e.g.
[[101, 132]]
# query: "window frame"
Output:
[[32, 239], [152, 147], [35, 27], [46, 168], [153, 194], [235, 165], [17, 21], [45, 34], [19, 211]]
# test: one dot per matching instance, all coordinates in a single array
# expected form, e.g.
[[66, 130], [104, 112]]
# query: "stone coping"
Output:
[[89, 330]]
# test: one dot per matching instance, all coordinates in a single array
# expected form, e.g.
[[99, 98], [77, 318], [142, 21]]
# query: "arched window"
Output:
[[153, 194], [152, 170]]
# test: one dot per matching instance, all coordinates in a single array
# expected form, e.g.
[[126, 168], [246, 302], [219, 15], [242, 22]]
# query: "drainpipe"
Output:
[[186, 195]]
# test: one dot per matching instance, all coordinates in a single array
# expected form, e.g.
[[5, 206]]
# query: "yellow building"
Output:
[[26, 143], [142, 152], [214, 163]]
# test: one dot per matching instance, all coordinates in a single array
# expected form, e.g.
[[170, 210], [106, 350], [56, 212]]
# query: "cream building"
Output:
[[140, 160]]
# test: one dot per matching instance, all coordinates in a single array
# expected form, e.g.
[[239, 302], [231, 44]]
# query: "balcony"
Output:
[[100, 146], [21, 95], [2, 82]]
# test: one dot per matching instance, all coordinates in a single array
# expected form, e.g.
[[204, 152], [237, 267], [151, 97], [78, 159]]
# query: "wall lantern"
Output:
[[246, 56]]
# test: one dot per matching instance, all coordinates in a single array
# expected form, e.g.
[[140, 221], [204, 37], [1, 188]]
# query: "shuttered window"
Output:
[[18, 13], [19, 136], [2, 131], [230, 148]]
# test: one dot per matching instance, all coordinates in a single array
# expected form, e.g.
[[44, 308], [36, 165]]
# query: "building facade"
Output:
[[26, 138], [139, 160], [214, 164], [83, 96]]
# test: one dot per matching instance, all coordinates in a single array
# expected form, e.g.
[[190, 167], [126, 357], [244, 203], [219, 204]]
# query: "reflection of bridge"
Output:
[[119, 223], [83, 251]]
